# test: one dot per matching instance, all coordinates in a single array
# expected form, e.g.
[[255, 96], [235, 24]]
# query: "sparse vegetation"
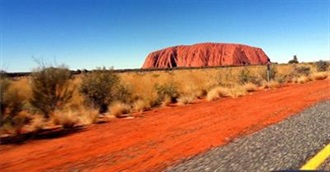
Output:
[[127, 93]]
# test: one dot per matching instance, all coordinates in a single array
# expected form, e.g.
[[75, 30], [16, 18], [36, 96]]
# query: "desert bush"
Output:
[[245, 76], [4, 85], [322, 66], [98, 88], [122, 93], [302, 70], [50, 89], [167, 92], [12, 102]]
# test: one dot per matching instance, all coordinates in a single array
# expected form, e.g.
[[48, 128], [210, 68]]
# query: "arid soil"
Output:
[[162, 137], [205, 54]]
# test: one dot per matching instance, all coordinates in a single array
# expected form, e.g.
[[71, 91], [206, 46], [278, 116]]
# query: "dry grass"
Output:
[[88, 117], [237, 91], [37, 123], [270, 85], [186, 99], [142, 105], [302, 79], [67, 119], [319, 76], [166, 101], [191, 84], [217, 92], [118, 109], [250, 87]]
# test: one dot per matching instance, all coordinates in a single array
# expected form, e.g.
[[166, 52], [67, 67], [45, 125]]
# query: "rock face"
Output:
[[205, 54]]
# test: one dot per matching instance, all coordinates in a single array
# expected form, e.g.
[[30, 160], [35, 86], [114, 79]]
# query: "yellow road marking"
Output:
[[318, 159]]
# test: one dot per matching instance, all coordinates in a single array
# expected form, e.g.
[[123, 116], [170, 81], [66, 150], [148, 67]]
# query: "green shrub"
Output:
[[122, 93], [50, 88], [322, 66], [167, 91], [98, 88]]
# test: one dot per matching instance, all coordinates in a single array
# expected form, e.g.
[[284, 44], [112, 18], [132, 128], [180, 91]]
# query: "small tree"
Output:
[[50, 88], [294, 60], [98, 88]]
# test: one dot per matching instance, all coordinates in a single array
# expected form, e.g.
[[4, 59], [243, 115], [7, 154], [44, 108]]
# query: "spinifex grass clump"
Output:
[[167, 93], [51, 89]]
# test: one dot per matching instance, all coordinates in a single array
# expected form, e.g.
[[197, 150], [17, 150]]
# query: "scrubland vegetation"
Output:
[[52, 96]]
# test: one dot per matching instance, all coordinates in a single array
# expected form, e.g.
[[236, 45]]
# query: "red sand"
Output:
[[162, 137]]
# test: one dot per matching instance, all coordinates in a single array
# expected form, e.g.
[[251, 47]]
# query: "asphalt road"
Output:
[[284, 146]]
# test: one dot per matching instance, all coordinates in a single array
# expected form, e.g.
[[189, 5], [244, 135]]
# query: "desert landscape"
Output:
[[147, 120], [174, 86]]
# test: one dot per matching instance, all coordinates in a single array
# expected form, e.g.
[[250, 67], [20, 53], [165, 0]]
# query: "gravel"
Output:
[[284, 146]]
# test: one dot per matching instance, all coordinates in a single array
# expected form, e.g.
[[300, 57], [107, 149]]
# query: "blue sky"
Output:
[[85, 34]]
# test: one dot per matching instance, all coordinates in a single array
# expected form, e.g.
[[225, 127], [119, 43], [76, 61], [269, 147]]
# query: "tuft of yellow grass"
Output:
[[250, 87], [217, 92], [117, 109], [88, 117], [142, 105], [186, 99], [319, 76], [237, 91], [271, 85], [302, 79], [67, 119], [166, 101], [37, 123]]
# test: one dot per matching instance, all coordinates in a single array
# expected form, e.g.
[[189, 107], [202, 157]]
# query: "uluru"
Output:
[[205, 54]]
